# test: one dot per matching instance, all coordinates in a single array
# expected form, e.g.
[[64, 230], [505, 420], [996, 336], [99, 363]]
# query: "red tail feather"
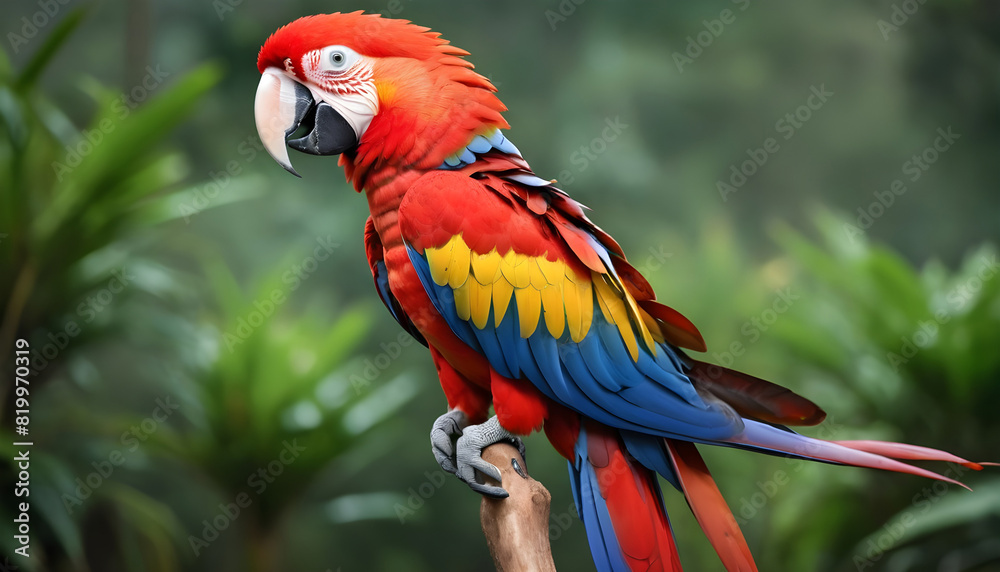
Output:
[[909, 452], [754, 397], [709, 507], [632, 493], [857, 453]]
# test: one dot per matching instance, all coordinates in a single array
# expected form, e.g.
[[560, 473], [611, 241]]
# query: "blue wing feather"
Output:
[[596, 376], [390, 302], [651, 452], [506, 330]]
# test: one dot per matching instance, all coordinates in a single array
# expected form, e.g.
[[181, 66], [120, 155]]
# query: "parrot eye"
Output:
[[337, 58]]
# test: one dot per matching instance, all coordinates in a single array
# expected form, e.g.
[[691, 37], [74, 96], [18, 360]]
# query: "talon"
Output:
[[490, 491], [468, 455], [445, 431]]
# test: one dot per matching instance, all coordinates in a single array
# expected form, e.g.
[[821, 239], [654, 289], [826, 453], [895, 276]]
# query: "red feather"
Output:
[[909, 452], [709, 508], [634, 504], [520, 408], [562, 428], [636, 283], [677, 329], [754, 397]]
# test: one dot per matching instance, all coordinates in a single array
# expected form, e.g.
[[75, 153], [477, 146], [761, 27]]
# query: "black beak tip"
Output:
[[291, 170]]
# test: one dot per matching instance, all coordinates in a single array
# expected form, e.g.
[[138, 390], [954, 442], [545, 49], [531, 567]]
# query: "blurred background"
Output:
[[215, 385]]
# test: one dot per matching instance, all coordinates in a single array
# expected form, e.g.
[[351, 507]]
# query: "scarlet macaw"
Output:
[[523, 302]]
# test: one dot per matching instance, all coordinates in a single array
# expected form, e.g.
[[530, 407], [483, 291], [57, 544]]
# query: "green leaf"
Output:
[[63, 30], [120, 153], [931, 513], [153, 521]]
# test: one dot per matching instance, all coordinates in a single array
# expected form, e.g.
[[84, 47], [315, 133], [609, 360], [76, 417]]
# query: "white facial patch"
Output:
[[343, 79]]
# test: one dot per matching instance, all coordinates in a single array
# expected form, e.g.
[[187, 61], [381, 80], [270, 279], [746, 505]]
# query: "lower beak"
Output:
[[283, 105]]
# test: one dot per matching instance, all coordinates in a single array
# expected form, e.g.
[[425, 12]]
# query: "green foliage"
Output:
[[898, 354], [250, 400], [64, 214], [274, 411], [88, 188], [883, 329]]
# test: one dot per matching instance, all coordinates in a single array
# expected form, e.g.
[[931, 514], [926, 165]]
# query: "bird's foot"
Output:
[[445, 431], [463, 457]]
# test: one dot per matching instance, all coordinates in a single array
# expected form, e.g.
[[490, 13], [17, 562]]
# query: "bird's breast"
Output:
[[409, 291]]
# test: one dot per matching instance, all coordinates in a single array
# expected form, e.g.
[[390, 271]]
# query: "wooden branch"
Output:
[[517, 527]]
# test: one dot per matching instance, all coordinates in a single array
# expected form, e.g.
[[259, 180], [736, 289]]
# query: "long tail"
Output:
[[871, 454], [767, 408], [620, 504], [613, 473]]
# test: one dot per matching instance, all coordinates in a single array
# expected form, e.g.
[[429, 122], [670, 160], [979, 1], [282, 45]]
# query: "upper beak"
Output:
[[282, 105]]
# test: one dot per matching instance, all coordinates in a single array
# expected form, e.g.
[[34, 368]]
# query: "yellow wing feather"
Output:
[[458, 272], [585, 290], [543, 289], [528, 309], [613, 306], [507, 265], [538, 280], [552, 270], [439, 260], [553, 307], [571, 299], [522, 271], [486, 266], [479, 302], [462, 307], [502, 291]]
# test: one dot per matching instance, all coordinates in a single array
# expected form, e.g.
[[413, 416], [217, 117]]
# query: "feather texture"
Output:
[[523, 301]]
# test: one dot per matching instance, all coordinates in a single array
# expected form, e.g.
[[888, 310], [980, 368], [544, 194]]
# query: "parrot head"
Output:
[[377, 91]]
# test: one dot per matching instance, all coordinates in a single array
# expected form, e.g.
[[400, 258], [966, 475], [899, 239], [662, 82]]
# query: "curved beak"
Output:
[[283, 106]]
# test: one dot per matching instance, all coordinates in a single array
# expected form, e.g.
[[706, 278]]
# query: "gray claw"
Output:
[[446, 429], [468, 457], [490, 491]]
